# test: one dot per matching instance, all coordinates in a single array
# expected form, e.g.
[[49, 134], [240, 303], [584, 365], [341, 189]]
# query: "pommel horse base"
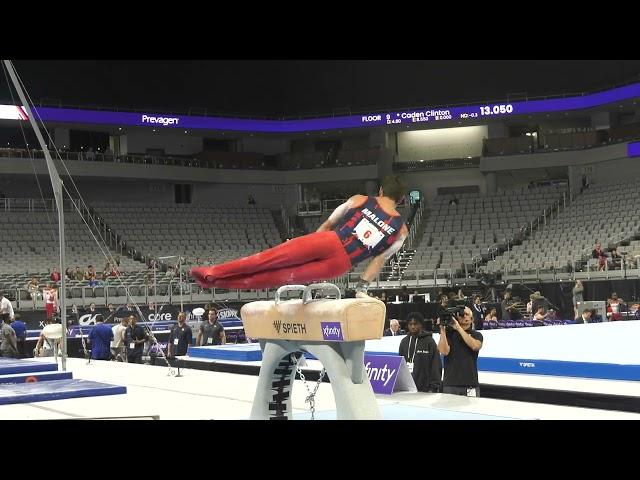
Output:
[[333, 330]]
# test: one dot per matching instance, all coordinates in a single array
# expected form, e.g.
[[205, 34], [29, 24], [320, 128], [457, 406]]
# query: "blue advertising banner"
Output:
[[422, 115]]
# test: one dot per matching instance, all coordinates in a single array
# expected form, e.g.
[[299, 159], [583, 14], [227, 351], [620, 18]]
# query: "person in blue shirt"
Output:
[[100, 339], [21, 335]]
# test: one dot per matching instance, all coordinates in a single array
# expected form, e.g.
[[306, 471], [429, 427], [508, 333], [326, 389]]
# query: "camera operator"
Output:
[[460, 346]]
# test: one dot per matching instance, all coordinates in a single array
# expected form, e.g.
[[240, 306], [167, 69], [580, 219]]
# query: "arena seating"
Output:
[[607, 213], [457, 235], [219, 233], [29, 244]]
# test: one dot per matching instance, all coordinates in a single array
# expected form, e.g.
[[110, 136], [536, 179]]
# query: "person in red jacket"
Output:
[[364, 227]]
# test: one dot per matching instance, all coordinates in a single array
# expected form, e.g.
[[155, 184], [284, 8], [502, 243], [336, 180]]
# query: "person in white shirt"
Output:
[[117, 344], [6, 307]]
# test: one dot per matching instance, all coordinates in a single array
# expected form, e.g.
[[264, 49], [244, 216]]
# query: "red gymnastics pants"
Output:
[[313, 257]]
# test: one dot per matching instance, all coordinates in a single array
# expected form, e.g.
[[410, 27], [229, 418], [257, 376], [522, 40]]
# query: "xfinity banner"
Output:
[[388, 374]]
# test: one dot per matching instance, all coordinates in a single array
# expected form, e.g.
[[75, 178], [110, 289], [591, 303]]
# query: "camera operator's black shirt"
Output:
[[461, 365]]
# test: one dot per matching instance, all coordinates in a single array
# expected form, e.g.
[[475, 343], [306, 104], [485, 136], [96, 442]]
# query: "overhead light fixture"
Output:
[[119, 128]]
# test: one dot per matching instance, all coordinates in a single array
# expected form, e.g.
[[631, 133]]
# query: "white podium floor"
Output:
[[200, 394]]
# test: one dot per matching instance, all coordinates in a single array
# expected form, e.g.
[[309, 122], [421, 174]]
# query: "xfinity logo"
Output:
[[527, 364], [383, 374], [162, 120], [331, 331]]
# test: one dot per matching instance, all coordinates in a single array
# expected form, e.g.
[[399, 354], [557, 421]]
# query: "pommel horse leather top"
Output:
[[321, 320]]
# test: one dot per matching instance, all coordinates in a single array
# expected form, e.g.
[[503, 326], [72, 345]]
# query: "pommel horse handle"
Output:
[[307, 290]]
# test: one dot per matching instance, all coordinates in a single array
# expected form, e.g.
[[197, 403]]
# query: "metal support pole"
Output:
[[56, 183]]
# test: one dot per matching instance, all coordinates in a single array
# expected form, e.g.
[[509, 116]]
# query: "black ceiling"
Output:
[[290, 87]]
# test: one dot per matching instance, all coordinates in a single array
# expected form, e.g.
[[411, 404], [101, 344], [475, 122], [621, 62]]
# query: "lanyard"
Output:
[[414, 350]]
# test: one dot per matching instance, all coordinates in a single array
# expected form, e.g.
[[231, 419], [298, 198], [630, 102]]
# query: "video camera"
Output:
[[451, 313]]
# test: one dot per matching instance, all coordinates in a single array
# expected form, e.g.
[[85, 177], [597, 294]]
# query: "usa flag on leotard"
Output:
[[367, 230]]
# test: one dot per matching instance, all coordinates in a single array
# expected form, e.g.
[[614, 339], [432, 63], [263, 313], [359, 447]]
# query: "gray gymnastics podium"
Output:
[[333, 330]]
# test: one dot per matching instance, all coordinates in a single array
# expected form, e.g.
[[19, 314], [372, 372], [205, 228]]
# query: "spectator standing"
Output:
[[50, 296], [135, 336], [211, 332], [421, 354], [180, 337], [478, 312], [118, 343], [5, 306], [614, 307], [578, 296], [100, 339], [33, 287], [21, 336], [599, 254], [9, 346]]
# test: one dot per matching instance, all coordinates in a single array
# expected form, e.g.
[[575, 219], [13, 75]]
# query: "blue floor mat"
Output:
[[242, 352], [33, 377], [9, 366], [55, 390]]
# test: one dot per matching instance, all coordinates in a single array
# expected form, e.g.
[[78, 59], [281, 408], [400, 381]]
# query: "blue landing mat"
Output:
[[55, 390], [242, 352], [35, 377], [9, 366]]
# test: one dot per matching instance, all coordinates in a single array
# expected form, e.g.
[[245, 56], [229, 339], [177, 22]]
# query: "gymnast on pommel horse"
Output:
[[363, 227]]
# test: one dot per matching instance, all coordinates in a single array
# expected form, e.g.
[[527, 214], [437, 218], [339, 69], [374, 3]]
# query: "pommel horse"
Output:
[[333, 330]]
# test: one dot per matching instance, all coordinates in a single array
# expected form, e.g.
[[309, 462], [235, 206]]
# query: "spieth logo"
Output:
[[161, 120], [277, 324], [331, 331]]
